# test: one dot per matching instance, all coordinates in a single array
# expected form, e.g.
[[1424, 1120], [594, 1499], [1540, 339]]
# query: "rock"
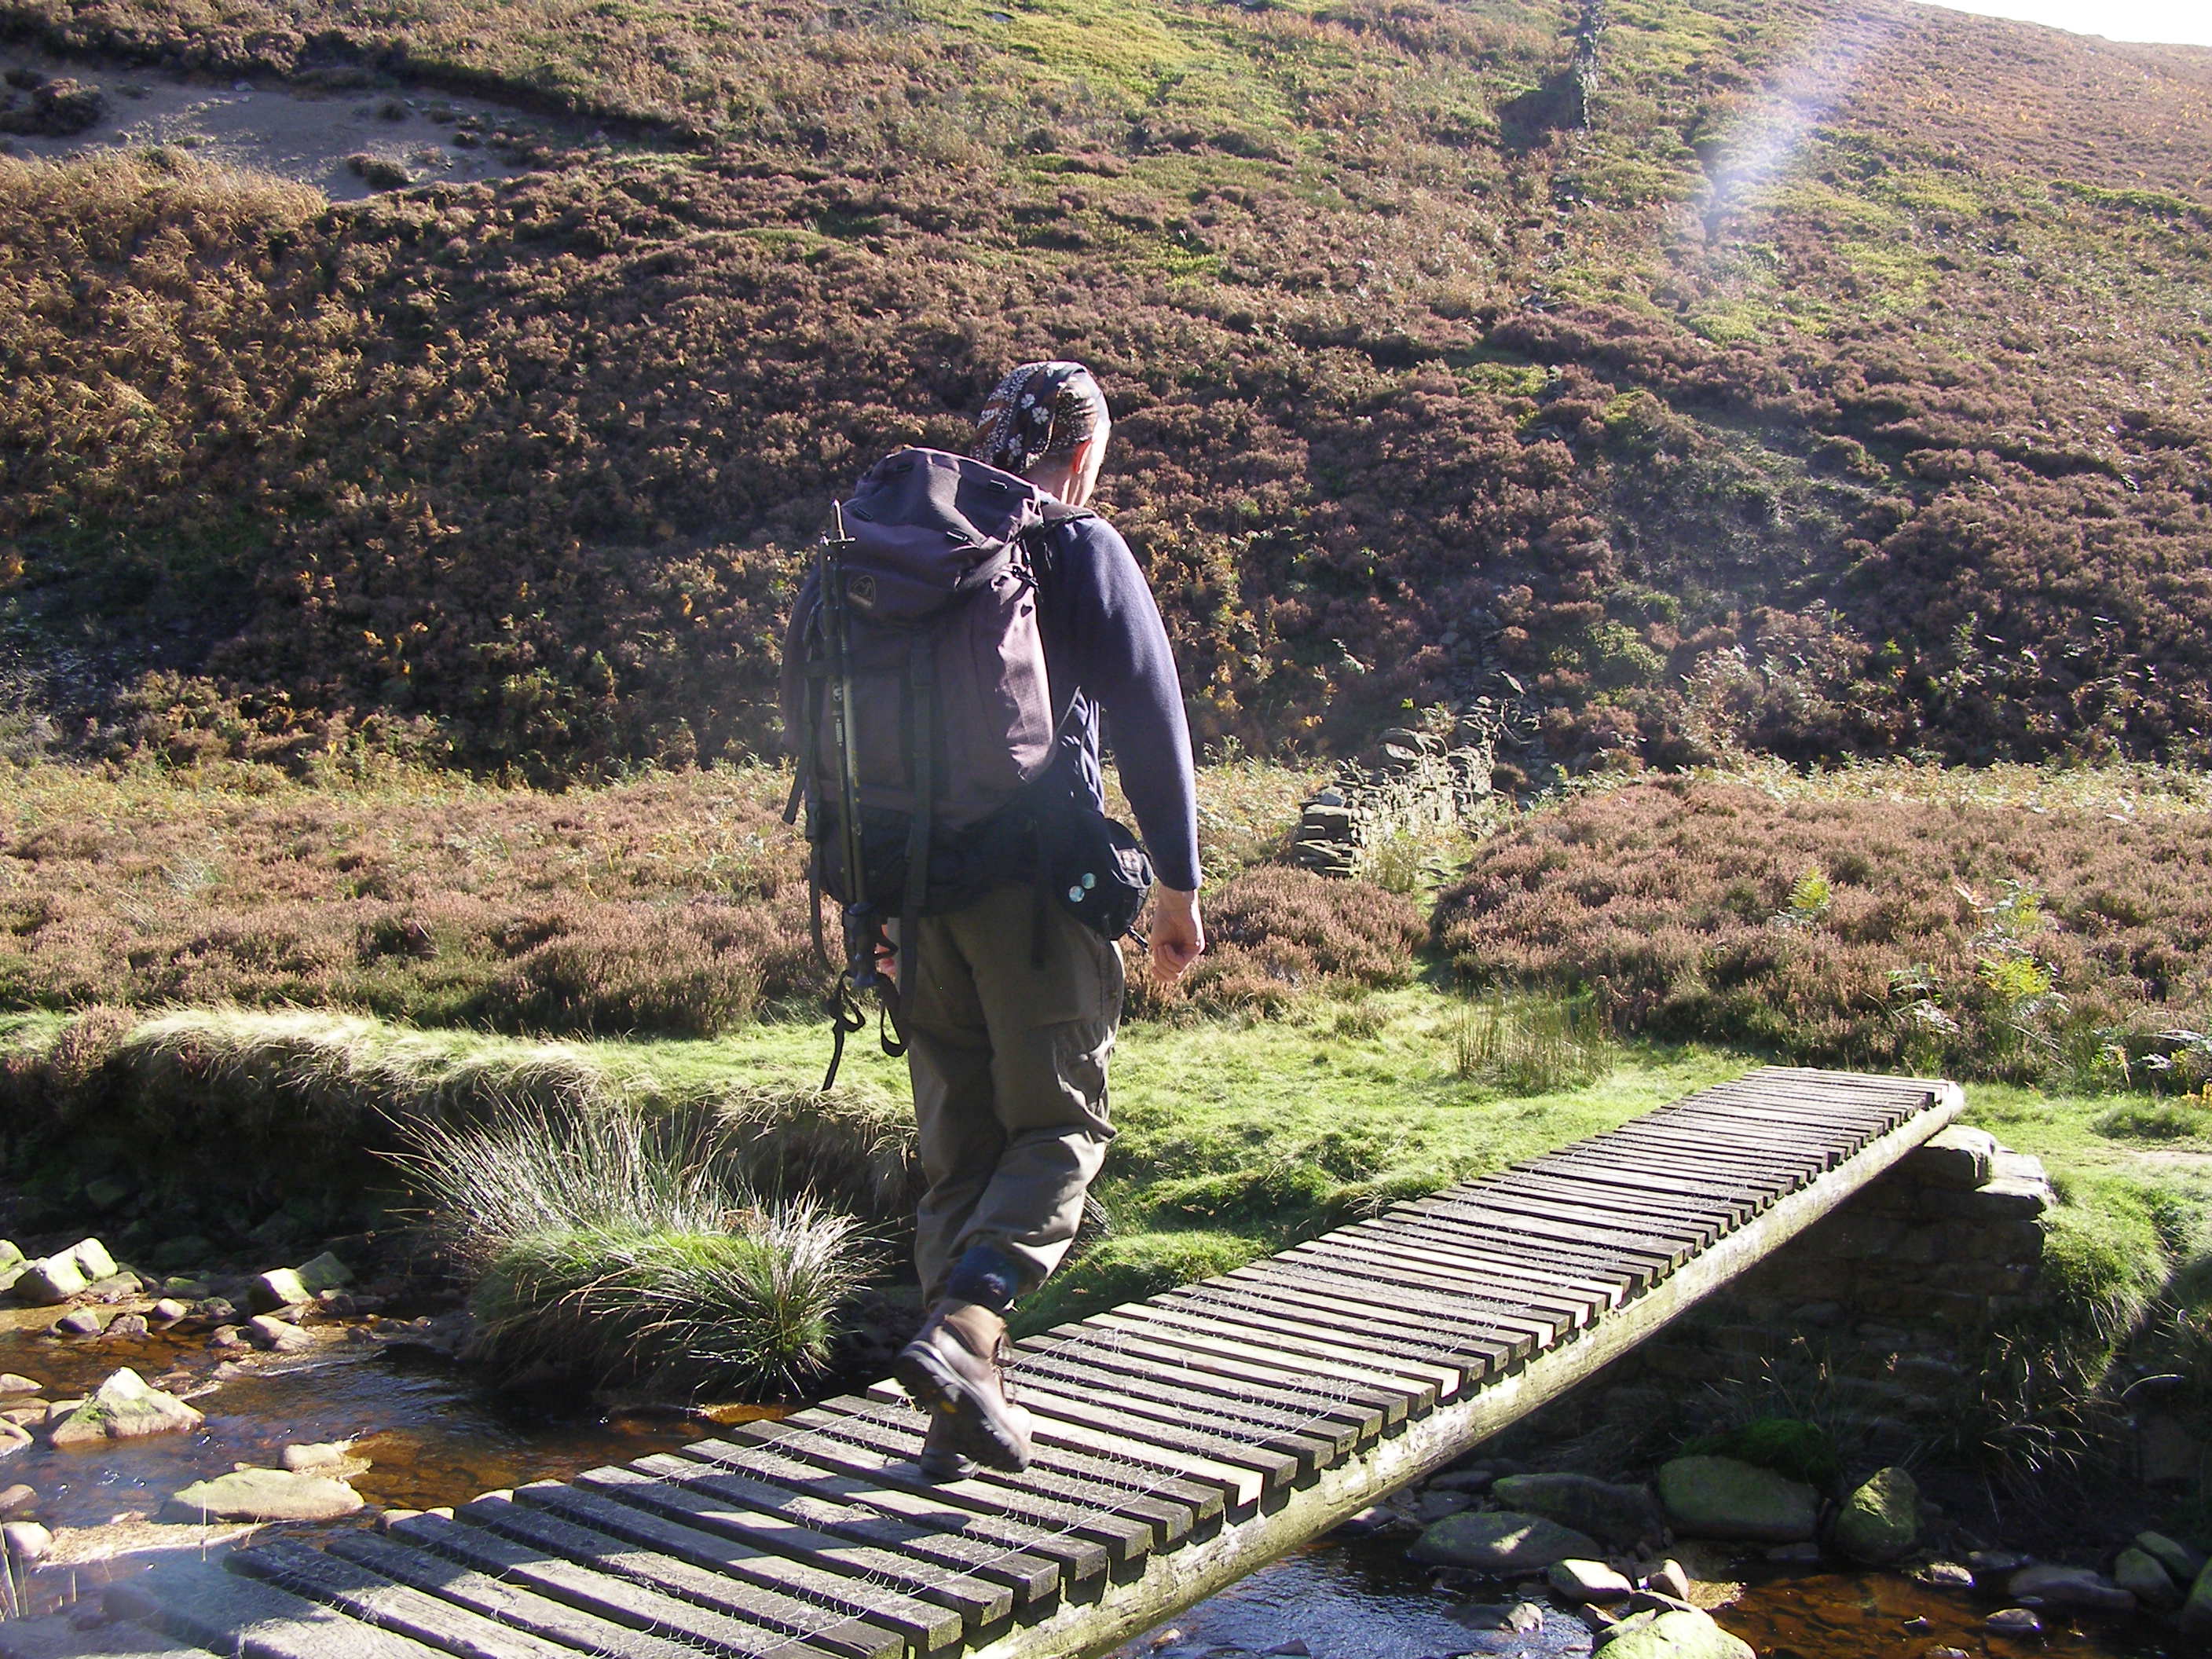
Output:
[[81, 1321], [11, 1253], [1670, 1580], [226, 1336], [1371, 1519], [1600, 1640], [17, 1496], [1293, 1648], [54, 1280], [14, 1383], [129, 1325], [60, 1411], [12, 1438], [335, 1458], [167, 1311], [26, 1542], [1621, 1516], [25, 1417], [1500, 1541], [1989, 1563], [1960, 1157], [1796, 1555], [2182, 1563], [2141, 1574], [267, 1331], [1588, 1581], [2196, 1610], [2069, 1587], [2013, 1621], [325, 1273], [1947, 1653], [1435, 1505], [268, 1495], [92, 1259], [105, 1195], [1677, 1635], [124, 1407], [1946, 1574], [1881, 1522], [117, 1287], [280, 1287], [1721, 1498]]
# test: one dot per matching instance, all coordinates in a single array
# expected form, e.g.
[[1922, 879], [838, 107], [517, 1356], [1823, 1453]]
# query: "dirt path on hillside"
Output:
[[406, 135]]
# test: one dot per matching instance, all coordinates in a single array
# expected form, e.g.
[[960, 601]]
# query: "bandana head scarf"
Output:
[[1038, 411]]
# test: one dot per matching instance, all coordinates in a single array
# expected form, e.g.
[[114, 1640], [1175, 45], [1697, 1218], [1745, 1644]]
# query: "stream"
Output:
[[433, 1437]]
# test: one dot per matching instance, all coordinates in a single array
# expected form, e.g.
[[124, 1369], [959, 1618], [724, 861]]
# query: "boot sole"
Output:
[[936, 1388]]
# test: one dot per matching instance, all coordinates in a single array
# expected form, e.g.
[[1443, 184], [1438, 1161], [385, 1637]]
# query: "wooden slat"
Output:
[[1251, 1317], [1514, 1266], [1380, 1256], [510, 1605], [1273, 1347], [1525, 1328], [1282, 1435], [1367, 1412], [374, 1599], [233, 1614]]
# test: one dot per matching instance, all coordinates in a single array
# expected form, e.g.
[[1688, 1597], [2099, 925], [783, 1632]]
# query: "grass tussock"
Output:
[[628, 1247], [1535, 1045], [1980, 940]]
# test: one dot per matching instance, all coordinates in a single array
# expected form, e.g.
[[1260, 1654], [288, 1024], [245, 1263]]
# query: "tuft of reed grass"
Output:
[[1535, 1045], [623, 1246]]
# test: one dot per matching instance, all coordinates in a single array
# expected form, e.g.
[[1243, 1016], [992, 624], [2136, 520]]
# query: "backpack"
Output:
[[917, 702]]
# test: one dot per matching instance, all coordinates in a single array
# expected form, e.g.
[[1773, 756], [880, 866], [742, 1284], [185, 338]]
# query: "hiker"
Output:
[[1001, 962]]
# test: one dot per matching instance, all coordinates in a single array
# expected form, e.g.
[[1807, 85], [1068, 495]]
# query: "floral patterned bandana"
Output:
[[1037, 411]]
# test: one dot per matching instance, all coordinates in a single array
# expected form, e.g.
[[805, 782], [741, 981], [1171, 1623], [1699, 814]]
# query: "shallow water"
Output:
[[1363, 1599], [436, 1439]]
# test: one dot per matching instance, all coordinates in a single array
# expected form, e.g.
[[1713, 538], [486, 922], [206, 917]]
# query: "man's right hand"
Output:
[[1178, 936]]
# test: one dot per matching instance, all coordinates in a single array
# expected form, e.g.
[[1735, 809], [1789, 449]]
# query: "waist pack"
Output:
[[920, 709]]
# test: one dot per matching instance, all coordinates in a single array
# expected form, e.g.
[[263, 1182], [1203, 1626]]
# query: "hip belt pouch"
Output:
[[1098, 870]]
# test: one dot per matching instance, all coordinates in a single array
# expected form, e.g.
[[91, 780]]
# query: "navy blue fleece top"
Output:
[[1103, 633]]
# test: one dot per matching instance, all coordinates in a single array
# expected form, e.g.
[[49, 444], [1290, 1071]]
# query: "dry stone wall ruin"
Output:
[[1417, 783]]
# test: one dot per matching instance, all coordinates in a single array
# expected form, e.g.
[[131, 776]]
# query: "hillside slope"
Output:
[[1811, 375]]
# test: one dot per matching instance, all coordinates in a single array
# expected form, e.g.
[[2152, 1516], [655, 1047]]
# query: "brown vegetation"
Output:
[[1891, 436], [1977, 938]]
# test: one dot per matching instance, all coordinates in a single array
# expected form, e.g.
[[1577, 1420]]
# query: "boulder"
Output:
[[1669, 1579], [2052, 1585], [168, 1310], [1588, 1581], [17, 1496], [2196, 1610], [1502, 1541], [268, 1495], [1720, 1497], [80, 1321], [92, 1259], [325, 1273], [1881, 1522], [124, 1407], [280, 1287], [267, 1331], [26, 1542], [1675, 1635], [1621, 1516], [54, 1278], [13, 1439], [2013, 1621], [1946, 1574], [2141, 1574], [2182, 1563], [16, 1383]]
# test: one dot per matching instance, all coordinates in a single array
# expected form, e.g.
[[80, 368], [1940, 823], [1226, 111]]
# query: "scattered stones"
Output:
[[2069, 1587], [2141, 1574], [1621, 1516], [81, 1321], [252, 1494], [2182, 1563], [2013, 1621], [124, 1407], [12, 1438], [1721, 1498], [1588, 1581], [14, 1383], [1676, 1635], [26, 1542], [17, 1496], [1881, 1522], [1501, 1540], [1946, 1574]]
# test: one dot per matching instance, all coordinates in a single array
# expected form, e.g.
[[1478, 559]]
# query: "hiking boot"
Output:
[[951, 1369], [941, 1458]]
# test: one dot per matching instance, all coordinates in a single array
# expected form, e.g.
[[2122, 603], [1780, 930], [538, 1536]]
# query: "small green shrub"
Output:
[[1803, 1451], [1534, 1046], [2167, 1121]]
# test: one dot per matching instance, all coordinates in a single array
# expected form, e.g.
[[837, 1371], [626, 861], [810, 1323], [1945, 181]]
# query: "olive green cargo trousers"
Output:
[[1008, 1060]]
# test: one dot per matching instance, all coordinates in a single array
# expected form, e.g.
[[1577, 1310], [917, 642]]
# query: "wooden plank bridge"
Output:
[[1183, 1441]]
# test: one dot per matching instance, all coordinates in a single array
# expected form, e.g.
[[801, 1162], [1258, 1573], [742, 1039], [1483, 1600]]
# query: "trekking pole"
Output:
[[860, 942]]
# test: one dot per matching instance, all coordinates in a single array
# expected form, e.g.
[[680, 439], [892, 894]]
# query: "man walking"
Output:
[[1009, 1006]]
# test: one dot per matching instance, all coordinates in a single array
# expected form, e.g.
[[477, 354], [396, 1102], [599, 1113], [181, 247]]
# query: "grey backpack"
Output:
[[916, 700]]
